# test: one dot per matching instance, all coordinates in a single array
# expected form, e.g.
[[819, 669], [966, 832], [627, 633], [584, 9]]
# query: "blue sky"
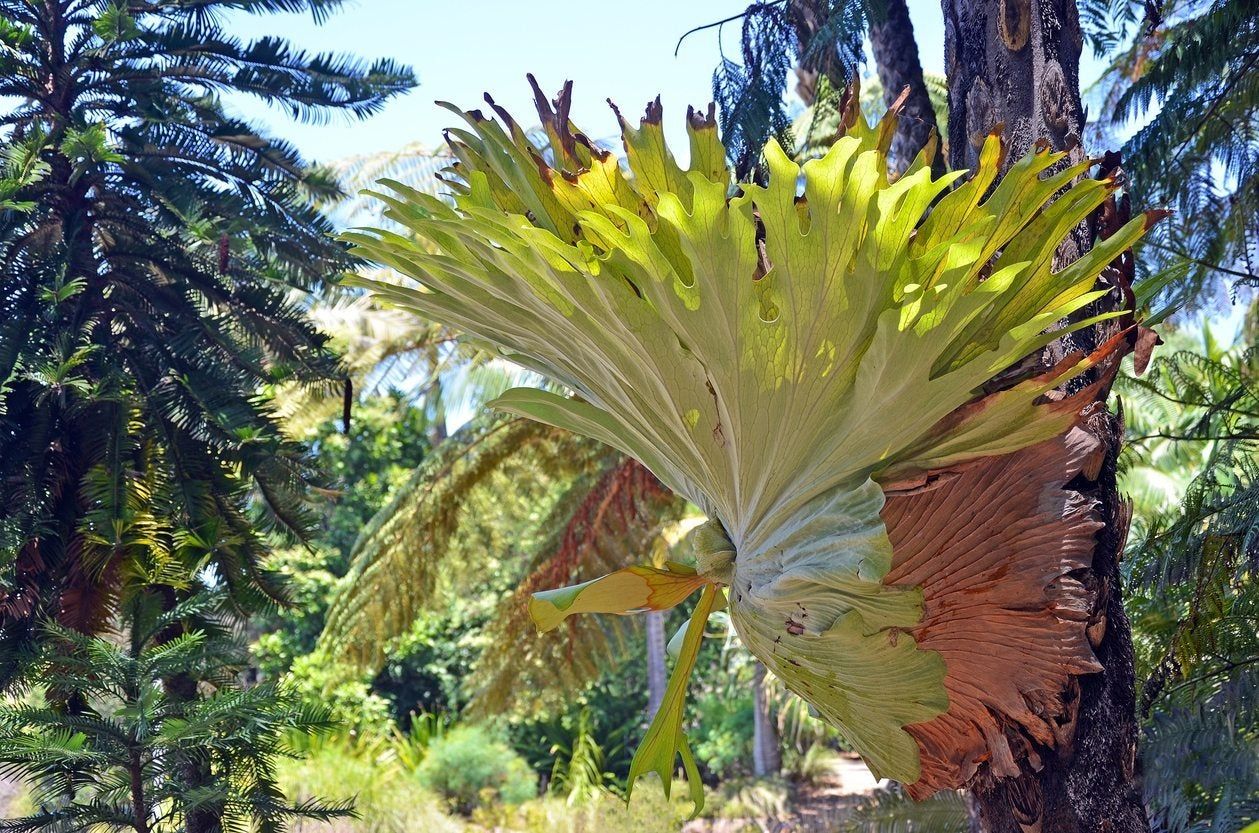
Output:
[[461, 49]]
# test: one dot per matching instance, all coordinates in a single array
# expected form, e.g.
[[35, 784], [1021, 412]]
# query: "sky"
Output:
[[460, 49]]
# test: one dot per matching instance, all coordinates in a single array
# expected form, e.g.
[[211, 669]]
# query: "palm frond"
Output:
[[446, 526], [606, 520]]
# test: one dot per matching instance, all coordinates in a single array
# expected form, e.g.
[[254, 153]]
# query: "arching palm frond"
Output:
[[612, 518], [448, 527]]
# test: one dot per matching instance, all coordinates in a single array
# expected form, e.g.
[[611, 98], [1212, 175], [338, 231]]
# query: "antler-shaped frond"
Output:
[[778, 353]]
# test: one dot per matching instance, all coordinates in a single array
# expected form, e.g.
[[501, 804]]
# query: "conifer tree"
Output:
[[154, 253]]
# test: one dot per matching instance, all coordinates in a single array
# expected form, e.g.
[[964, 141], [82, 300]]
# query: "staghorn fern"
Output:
[[814, 371]]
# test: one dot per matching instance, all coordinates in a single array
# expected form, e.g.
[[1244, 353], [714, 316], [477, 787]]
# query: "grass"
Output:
[[391, 799]]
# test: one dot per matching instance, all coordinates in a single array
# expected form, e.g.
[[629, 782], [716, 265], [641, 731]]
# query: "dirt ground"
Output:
[[818, 808]]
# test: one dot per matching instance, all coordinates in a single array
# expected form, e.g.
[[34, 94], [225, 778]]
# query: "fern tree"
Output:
[[1186, 73], [116, 762], [1191, 571], [529, 504], [153, 249]]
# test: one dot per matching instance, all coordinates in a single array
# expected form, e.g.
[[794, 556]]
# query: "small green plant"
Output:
[[724, 743], [578, 772], [815, 765], [410, 748], [115, 747], [468, 766]]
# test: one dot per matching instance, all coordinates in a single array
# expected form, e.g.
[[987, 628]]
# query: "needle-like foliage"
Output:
[[115, 760], [1188, 77], [154, 250]]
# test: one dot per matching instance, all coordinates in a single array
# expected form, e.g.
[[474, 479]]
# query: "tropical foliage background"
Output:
[[263, 555]]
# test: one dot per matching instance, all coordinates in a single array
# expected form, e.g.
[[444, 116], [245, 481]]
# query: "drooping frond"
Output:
[[1193, 558], [605, 521], [823, 41], [777, 356], [1201, 760], [1190, 79], [890, 810]]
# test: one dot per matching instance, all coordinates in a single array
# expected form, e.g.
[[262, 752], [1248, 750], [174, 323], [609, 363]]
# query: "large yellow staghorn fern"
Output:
[[782, 355]]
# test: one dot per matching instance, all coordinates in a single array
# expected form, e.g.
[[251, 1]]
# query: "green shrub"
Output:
[[816, 765], [723, 743], [389, 798], [343, 691], [471, 767]]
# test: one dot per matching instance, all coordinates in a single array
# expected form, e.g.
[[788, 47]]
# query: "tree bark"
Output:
[[766, 748], [656, 674], [1013, 65], [896, 60], [194, 764], [136, 776]]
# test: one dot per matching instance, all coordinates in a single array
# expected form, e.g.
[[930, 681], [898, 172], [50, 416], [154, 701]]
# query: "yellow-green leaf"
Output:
[[665, 740], [631, 590]]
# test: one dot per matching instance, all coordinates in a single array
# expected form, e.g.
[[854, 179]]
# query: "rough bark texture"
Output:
[[896, 59], [766, 749], [1015, 64], [656, 677]]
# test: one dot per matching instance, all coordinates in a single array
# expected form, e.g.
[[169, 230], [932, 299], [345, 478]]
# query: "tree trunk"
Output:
[[766, 751], [896, 59], [1014, 65], [657, 677], [135, 774], [194, 764]]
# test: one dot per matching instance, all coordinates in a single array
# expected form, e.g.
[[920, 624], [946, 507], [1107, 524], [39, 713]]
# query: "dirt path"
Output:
[[9, 790], [815, 808]]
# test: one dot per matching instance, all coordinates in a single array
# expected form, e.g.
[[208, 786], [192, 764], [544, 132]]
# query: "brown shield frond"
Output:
[[994, 548]]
